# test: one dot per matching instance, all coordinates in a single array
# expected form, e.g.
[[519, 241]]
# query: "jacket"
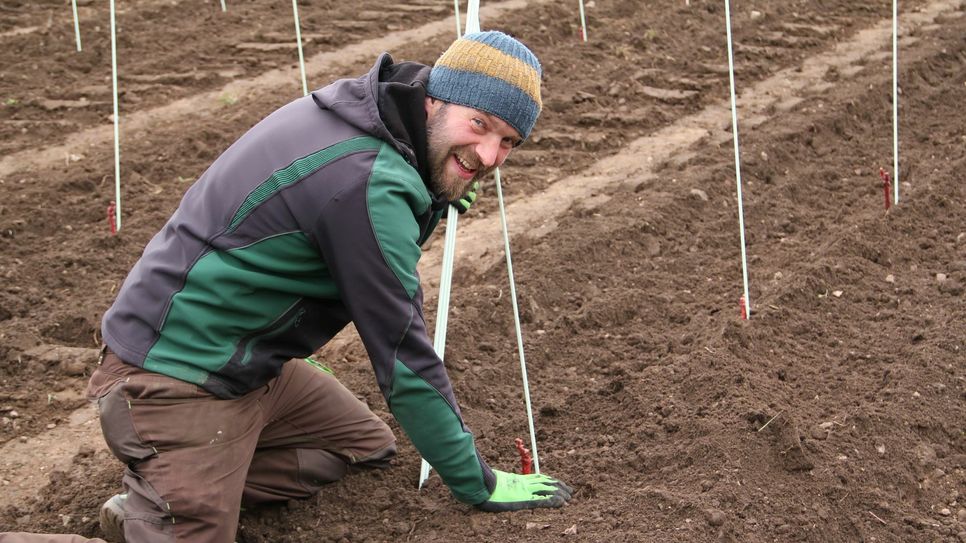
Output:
[[314, 218]]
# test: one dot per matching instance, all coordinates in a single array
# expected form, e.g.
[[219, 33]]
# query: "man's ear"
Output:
[[432, 106]]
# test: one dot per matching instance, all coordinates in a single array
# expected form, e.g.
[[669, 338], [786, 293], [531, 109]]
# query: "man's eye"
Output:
[[479, 122]]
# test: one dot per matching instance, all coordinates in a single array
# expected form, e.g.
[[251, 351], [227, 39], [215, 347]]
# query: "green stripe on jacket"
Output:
[[436, 430], [396, 196], [298, 170], [394, 182], [232, 293]]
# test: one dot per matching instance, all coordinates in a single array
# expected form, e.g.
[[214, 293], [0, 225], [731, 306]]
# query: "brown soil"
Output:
[[835, 414]]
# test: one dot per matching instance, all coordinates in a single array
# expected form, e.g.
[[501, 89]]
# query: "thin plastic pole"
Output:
[[223, 6], [446, 279], [456, 9], [734, 129], [117, 121], [473, 16], [516, 322], [583, 20], [449, 248], [895, 100], [298, 38], [442, 309], [473, 25], [73, 5]]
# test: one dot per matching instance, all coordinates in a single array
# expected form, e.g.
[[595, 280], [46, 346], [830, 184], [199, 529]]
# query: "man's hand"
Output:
[[514, 492], [463, 204]]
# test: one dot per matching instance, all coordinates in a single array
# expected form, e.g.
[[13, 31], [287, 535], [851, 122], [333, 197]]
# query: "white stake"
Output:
[[516, 322], [734, 129], [473, 16], [442, 308], [73, 4], [449, 248], [298, 38], [583, 20], [895, 100], [446, 279], [117, 120], [456, 9], [223, 6]]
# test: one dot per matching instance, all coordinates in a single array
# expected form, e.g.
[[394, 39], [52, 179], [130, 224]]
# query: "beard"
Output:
[[441, 149]]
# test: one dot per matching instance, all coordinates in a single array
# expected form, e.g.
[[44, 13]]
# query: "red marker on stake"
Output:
[[526, 461], [112, 219], [884, 175], [743, 306]]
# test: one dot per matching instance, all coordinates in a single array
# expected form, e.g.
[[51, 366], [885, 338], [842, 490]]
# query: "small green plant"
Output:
[[11, 102], [228, 99]]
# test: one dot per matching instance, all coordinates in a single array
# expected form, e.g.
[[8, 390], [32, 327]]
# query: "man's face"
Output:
[[465, 145]]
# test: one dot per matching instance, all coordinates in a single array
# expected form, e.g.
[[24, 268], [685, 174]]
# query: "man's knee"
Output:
[[318, 467], [379, 459]]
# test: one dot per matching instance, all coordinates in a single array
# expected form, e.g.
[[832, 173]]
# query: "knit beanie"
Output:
[[491, 72]]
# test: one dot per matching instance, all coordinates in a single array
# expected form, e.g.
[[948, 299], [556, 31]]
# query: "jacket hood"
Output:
[[387, 103]]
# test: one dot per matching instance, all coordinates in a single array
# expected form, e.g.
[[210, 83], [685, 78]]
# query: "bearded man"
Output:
[[313, 219]]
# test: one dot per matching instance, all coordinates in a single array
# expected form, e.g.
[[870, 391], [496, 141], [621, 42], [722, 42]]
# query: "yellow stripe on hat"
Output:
[[473, 56]]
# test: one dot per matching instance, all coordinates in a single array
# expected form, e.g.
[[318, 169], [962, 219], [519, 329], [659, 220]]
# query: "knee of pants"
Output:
[[193, 501], [318, 467], [377, 434], [117, 427], [378, 459]]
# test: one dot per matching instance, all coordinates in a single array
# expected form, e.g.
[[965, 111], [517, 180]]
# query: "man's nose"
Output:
[[489, 152]]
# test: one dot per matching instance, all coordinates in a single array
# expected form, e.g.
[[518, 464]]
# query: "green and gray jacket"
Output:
[[311, 220]]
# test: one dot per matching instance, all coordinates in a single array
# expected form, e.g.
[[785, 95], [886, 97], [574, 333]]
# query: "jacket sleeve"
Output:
[[369, 238]]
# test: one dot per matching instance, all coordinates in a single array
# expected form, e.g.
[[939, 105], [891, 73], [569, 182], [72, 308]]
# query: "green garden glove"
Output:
[[463, 204], [514, 492]]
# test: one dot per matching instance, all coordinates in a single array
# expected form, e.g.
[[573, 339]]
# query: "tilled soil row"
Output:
[[276, 82], [166, 51], [57, 311], [61, 443], [592, 109], [831, 416]]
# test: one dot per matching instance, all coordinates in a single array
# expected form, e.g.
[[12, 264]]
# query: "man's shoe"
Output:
[[112, 518]]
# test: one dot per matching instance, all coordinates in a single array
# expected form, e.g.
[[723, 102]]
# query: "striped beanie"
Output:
[[491, 72]]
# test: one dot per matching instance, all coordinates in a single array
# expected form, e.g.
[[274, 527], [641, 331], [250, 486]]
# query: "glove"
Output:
[[463, 204], [514, 492]]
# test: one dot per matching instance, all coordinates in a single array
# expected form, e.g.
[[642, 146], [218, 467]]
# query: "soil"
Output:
[[836, 413]]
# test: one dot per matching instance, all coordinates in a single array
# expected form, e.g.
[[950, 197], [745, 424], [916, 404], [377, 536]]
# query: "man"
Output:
[[311, 220]]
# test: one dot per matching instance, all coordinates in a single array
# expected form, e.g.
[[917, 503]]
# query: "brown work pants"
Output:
[[193, 459]]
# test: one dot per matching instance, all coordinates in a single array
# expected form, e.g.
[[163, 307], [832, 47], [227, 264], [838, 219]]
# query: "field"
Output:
[[836, 413]]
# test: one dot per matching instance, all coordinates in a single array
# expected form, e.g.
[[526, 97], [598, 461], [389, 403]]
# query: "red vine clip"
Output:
[[884, 175], [111, 218], [526, 461]]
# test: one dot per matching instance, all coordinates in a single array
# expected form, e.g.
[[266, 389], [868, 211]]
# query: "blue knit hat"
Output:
[[491, 72]]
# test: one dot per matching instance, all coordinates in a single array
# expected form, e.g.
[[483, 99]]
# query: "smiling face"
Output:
[[465, 145]]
